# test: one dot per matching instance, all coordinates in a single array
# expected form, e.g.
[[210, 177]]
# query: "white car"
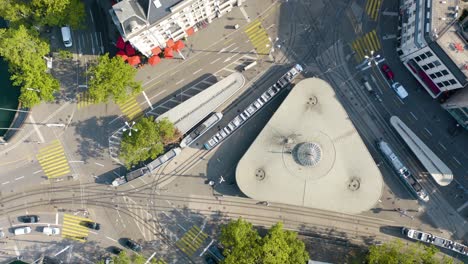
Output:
[[51, 231], [22, 230], [400, 90]]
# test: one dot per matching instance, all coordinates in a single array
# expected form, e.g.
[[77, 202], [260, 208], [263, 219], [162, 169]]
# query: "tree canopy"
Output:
[[112, 78], [243, 244], [24, 51], [124, 258], [396, 252], [147, 140], [44, 12]]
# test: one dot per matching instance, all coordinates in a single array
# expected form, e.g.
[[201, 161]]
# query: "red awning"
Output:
[[156, 51], [121, 52], [169, 43], [168, 54], [179, 45], [129, 49], [190, 31], [120, 43], [459, 46], [135, 60], [123, 56], [153, 60]]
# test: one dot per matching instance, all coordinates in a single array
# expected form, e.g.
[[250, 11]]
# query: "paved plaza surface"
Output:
[[165, 210], [310, 154]]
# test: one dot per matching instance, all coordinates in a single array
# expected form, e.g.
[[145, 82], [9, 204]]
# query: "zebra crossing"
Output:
[[258, 37], [192, 240], [130, 107], [84, 99], [72, 228], [53, 161], [364, 45], [372, 8]]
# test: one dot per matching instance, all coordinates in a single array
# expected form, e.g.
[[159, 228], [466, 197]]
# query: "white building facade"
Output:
[[148, 24], [426, 45]]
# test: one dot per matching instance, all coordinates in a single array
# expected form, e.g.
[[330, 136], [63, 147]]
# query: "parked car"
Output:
[[92, 225], [400, 90], [133, 245], [388, 72], [114, 250], [51, 230], [29, 218], [22, 230]]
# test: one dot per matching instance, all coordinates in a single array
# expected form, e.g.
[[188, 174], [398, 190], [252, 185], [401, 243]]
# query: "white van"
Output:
[[51, 230], [400, 90], [66, 36], [22, 230], [367, 86]]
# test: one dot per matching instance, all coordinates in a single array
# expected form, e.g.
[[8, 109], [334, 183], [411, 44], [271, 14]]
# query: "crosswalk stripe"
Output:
[[375, 38], [53, 160], [254, 25]]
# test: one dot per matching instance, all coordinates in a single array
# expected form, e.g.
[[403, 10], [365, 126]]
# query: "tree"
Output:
[[147, 141], [43, 12], [122, 258], [243, 244], [396, 252], [24, 52], [138, 259], [112, 78]]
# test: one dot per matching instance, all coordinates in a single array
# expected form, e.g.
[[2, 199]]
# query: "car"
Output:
[[114, 250], [66, 36], [388, 72], [22, 230], [29, 218], [51, 230], [400, 90], [133, 245], [92, 225]]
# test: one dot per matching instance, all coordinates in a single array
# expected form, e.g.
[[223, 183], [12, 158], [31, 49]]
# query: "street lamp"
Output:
[[33, 89], [372, 58], [129, 128]]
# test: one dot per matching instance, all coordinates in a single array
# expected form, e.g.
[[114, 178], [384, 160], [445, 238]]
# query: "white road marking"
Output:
[[150, 258], [61, 251], [7, 182], [92, 232], [147, 100], [19, 178], [182, 227], [244, 14], [133, 187], [270, 26], [113, 120], [223, 49], [99, 164], [76, 161], [401, 101], [462, 207], [247, 41], [56, 218], [16, 251], [213, 62], [197, 71], [430, 134], [111, 239], [179, 82], [142, 180], [234, 49], [442, 146], [415, 118], [36, 128], [36, 172], [457, 160], [161, 92]]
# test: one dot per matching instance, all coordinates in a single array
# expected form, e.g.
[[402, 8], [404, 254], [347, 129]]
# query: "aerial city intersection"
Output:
[[139, 129]]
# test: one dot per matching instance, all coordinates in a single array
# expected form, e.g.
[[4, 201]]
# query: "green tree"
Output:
[[243, 244], [147, 141], [396, 252], [282, 246], [43, 12], [24, 52], [138, 259], [122, 258], [112, 78]]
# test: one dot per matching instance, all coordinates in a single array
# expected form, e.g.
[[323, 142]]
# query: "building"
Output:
[[148, 24], [310, 154], [432, 43], [457, 106]]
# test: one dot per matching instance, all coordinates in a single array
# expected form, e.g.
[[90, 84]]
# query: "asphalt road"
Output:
[[317, 35]]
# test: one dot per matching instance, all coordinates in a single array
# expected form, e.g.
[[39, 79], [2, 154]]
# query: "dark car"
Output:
[[114, 250], [388, 72], [92, 225], [133, 245], [29, 218]]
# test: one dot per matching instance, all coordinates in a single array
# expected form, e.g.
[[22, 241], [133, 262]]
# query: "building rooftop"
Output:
[[446, 29], [310, 154]]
